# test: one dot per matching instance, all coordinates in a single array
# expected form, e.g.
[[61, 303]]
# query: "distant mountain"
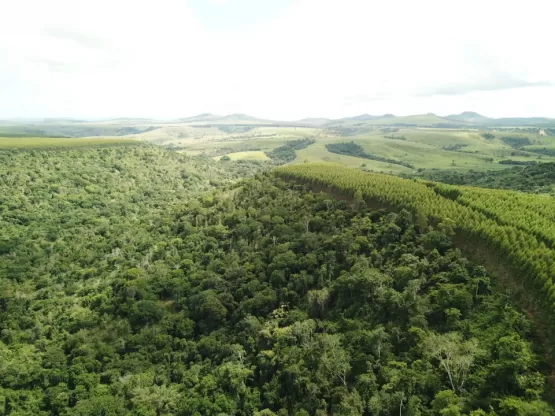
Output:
[[207, 118], [244, 119], [62, 120], [469, 117], [478, 119], [368, 117], [128, 121], [429, 119], [520, 121], [315, 121]]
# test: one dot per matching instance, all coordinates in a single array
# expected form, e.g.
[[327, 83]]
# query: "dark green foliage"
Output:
[[286, 153], [488, 136], [516, 141], [518, 162], [454, 147], [541, 150], [124, 293], [353, 149]]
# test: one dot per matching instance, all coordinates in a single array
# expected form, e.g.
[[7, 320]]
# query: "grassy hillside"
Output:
[[423, 148], [249, 155]]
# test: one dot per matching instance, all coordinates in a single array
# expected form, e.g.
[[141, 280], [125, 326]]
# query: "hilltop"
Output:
[[469, 117]]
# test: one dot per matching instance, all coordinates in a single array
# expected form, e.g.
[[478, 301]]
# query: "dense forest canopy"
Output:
[[140, 281]]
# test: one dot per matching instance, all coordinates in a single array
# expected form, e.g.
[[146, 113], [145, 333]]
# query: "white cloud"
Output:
[[319, 58]]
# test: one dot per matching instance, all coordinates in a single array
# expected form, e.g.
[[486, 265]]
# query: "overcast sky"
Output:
[[279, 59]]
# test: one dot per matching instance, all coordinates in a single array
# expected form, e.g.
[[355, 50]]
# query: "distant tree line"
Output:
[[488, 136], [516, 142], [356, 150], [393, 137], [286, 153], [538, 178], [518, 162], [454, 147]]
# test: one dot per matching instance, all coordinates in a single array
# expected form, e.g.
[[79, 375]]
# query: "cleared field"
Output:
[[422, 155], [46, 142], [317, 152], [248, 155]]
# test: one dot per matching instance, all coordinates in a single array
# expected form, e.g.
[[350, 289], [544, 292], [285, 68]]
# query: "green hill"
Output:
[[469, 117], [391, 120]]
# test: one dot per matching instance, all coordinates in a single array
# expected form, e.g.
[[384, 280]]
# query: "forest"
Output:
[[139, 281], [538, 178], [512, 231], [286, 153], [353, 149]]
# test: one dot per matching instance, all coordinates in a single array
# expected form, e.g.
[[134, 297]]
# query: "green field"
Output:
[[249, 155], [47, 142], [423, 148], [247, 138]]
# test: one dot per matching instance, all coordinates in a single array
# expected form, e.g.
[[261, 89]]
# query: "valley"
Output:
[[463, 142]]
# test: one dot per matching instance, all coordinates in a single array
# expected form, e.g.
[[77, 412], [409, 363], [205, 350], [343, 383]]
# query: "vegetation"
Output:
[[518, 162], [423, 148], [548, 151], [515, 228], [56, 143], [127, 289], [247, 155], [353, 149], [488, 136], [516, 141], [286, 153], [455, 147], [539, 178]]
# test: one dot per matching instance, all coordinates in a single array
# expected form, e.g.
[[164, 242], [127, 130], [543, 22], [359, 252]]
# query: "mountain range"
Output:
[[467, 119], [464, 119]]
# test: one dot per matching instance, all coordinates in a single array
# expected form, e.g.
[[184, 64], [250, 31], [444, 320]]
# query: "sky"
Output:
[[276, 59]]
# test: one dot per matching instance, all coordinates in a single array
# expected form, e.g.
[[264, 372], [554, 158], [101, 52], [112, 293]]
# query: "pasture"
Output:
[[248, 155]]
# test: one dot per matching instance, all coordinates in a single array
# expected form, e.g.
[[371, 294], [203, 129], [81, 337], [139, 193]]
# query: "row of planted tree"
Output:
[[516, 228]]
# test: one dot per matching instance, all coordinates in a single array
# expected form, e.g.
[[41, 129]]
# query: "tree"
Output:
[[454, 355]]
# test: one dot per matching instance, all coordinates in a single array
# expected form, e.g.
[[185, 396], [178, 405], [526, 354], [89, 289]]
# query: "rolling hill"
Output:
[[207, 118], [478, 119], [469, 117], [420, 120]]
